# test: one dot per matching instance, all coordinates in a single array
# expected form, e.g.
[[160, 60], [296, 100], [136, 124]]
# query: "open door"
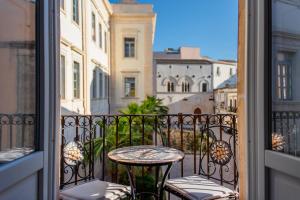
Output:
[[269, 98], [282, 157], [28, 99]]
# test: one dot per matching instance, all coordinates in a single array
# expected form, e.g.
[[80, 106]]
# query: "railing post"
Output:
[[221, 138], [234, 127], [169, 130], [76, 139], [62, 175], [103, 152], [117, 145], [91, 149], [207, 146], [130, 131], [155, 127], [180, 121], [195, 142]]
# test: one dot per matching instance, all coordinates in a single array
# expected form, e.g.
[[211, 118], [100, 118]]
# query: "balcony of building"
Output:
[[195, 135]]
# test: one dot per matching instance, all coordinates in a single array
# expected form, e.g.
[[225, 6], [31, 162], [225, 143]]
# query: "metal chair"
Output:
[[94, 190], [82, 173], [217, 166]]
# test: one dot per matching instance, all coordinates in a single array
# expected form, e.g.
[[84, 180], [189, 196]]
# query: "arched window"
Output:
[[170, 87], [204, 87], [185, 86]]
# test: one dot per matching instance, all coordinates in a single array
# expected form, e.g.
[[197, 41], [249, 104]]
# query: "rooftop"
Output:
[[229, 83]]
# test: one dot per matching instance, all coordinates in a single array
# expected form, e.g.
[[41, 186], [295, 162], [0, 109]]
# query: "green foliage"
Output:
[[121, 126]]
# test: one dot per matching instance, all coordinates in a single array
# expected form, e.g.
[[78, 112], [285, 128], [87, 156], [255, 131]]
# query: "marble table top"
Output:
[[145, 155]]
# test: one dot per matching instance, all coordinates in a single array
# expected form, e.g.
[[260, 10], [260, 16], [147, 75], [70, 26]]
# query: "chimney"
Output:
[[128, 1]]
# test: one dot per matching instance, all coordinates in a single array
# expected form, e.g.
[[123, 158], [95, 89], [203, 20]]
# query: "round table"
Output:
[[146, 155]]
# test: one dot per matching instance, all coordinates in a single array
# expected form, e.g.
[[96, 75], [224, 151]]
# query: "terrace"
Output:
[[192, 134]]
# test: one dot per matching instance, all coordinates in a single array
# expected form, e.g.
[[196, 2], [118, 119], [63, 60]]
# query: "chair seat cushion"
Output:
[[198, 188], [94, 190]]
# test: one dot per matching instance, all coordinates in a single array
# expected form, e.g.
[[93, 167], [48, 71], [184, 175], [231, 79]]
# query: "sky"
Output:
[[211, 25]]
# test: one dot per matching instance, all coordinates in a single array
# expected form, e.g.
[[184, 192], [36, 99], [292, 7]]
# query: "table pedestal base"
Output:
[[160, 187]]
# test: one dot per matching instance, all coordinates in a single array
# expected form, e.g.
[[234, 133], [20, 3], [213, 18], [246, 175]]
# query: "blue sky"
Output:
[[209, 24]]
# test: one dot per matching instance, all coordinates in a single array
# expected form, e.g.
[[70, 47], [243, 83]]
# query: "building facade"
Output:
[[106, 50], [225, 96], [132, 29], [185, 80], [85, 56]]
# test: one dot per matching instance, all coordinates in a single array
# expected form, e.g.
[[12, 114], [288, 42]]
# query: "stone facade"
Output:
[[225, 96], [85, 57], [185, 80], [93, 61], [132, 28]]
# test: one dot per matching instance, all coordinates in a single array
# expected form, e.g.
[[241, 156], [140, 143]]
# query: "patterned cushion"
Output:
[[198, 188], [94, 190]]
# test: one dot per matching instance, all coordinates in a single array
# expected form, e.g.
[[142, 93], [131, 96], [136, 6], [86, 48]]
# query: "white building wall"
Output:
[[77, 45], [223, 97], [69, 30], [195, 73], [97, 57], [185, 102], [222, 71], [133, 21], [71, 48]]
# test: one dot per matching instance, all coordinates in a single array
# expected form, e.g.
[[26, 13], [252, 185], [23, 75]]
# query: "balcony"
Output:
[[192, 134]]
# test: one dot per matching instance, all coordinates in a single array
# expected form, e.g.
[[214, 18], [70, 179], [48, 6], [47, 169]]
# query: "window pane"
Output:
[[93, 26], [100, 85], [105, 42], [76, 80], [62, 77], [100, 35], [129, 47], [94, 84], [129, 87], [204, 87], [286, 77], [17, 79], [76, 11], [106, 85]]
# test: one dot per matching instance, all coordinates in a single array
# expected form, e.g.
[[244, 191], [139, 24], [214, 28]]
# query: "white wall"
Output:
[[224, 72], [135, 21], [77, 45], [184, 102], [97, 57], [195, 73]]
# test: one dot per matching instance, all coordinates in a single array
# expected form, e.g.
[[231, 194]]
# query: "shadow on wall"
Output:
[[99, 92], [189, 103]]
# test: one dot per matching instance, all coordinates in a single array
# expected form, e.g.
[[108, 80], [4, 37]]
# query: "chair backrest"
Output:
[[76, 138], [218, 148]]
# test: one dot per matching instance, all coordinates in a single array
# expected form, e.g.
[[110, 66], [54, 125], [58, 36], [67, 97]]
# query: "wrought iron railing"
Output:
[[16, 131], [193, 134]]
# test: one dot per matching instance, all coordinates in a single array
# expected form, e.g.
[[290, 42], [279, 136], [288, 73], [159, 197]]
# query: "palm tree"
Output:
[[139, 119], [130, 115]]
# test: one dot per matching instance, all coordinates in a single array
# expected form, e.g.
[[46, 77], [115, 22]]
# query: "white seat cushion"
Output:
[[198, 188], [95, 190]]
